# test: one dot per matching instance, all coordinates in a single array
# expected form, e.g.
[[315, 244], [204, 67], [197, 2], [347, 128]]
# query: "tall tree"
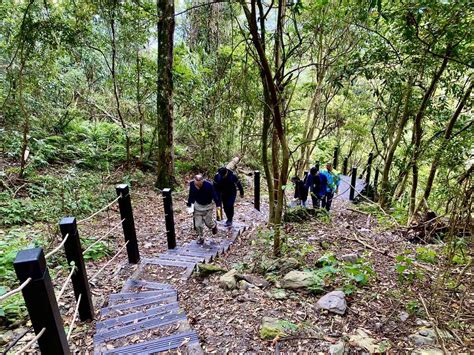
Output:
[[164, 98]]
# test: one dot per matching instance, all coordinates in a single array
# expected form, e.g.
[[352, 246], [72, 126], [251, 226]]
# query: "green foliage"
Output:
[[348, 275], [426, 255], [405, 269], [414, 308], [97, 251]]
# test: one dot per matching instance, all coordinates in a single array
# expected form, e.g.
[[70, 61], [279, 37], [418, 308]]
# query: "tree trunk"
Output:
[[113, 72], [439, 152], [141, 116], [393, 146], [418, 130], [165, 121], [277, 113]]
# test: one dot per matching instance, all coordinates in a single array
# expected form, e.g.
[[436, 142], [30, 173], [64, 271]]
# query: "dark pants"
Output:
[[228, 205], [327, 200], [316, 199]]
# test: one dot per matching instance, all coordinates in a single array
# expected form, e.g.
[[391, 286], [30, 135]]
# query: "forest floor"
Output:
[[383, 312]]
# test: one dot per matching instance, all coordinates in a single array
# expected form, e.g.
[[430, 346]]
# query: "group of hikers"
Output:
[[222, 191], [320, 185]]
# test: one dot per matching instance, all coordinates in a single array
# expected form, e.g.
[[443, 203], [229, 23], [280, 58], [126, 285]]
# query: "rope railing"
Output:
[[101, 210], [16, 290], [55, 250], [104, 236], [31, 342], [74, 317], [63, 288], [108, 262]]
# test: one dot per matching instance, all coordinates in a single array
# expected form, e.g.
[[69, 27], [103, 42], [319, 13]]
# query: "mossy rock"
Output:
[[274, 327], [209, 269]]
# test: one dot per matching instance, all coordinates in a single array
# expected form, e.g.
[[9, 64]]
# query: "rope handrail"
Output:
[[74, 318], [102, 209], [31, 342], [16, 290], [104, 236], [55, 250], [63, 288], [108, 262]]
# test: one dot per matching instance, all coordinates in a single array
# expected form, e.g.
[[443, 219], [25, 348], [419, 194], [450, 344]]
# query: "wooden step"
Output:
[[158, 345]]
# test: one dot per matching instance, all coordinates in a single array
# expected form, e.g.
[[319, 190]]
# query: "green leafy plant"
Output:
[[426, 255], [405, 269]]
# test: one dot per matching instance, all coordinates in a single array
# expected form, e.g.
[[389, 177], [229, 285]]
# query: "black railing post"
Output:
[[369, 168], [128, 225], [41, 301], [353, 183], [336, 157], [169, 218], [256, 190], [344, 166], [74, 257]]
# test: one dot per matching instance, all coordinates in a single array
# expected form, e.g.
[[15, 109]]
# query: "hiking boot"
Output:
[[200, 240], [228, 223], [214, 229]]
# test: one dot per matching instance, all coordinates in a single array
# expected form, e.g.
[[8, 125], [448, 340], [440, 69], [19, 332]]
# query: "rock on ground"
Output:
[[273, 327], [337, 349], [334, 301], [361, 339], [297, 279], [228, 281]]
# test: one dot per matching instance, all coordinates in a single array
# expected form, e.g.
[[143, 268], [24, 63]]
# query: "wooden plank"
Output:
[[165, 262], [137, 316], [118, 298], [185, 258], [158, 345], [131, 283], [143, 302], [156, 321]]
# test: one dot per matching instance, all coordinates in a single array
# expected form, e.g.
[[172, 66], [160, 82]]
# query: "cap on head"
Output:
[[222, 171], [313, 170], [295, 178]]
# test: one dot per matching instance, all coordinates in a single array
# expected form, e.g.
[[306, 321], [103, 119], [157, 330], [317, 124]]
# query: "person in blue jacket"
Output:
[[226, 184], [201, 194], [333, 180], [316, 183]]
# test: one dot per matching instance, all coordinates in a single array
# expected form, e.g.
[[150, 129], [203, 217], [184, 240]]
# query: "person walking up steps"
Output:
[[201, 194], [226, 184], [332, 188], [301, 192], [316, 184]]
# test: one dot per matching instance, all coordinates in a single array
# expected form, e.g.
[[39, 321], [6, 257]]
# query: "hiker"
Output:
[[201, 194], [316, 184], [301, 192], [332, 188], [226, 184]]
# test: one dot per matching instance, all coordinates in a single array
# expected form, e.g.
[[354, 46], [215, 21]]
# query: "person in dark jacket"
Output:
[[201, 194], [226, 184], [316, 183], [301, 192]]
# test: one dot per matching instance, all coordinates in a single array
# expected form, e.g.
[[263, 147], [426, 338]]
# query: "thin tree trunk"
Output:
[[141, 117], [439, 152], [418, 130], [394, 145], [165, 122], [113, 71]]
